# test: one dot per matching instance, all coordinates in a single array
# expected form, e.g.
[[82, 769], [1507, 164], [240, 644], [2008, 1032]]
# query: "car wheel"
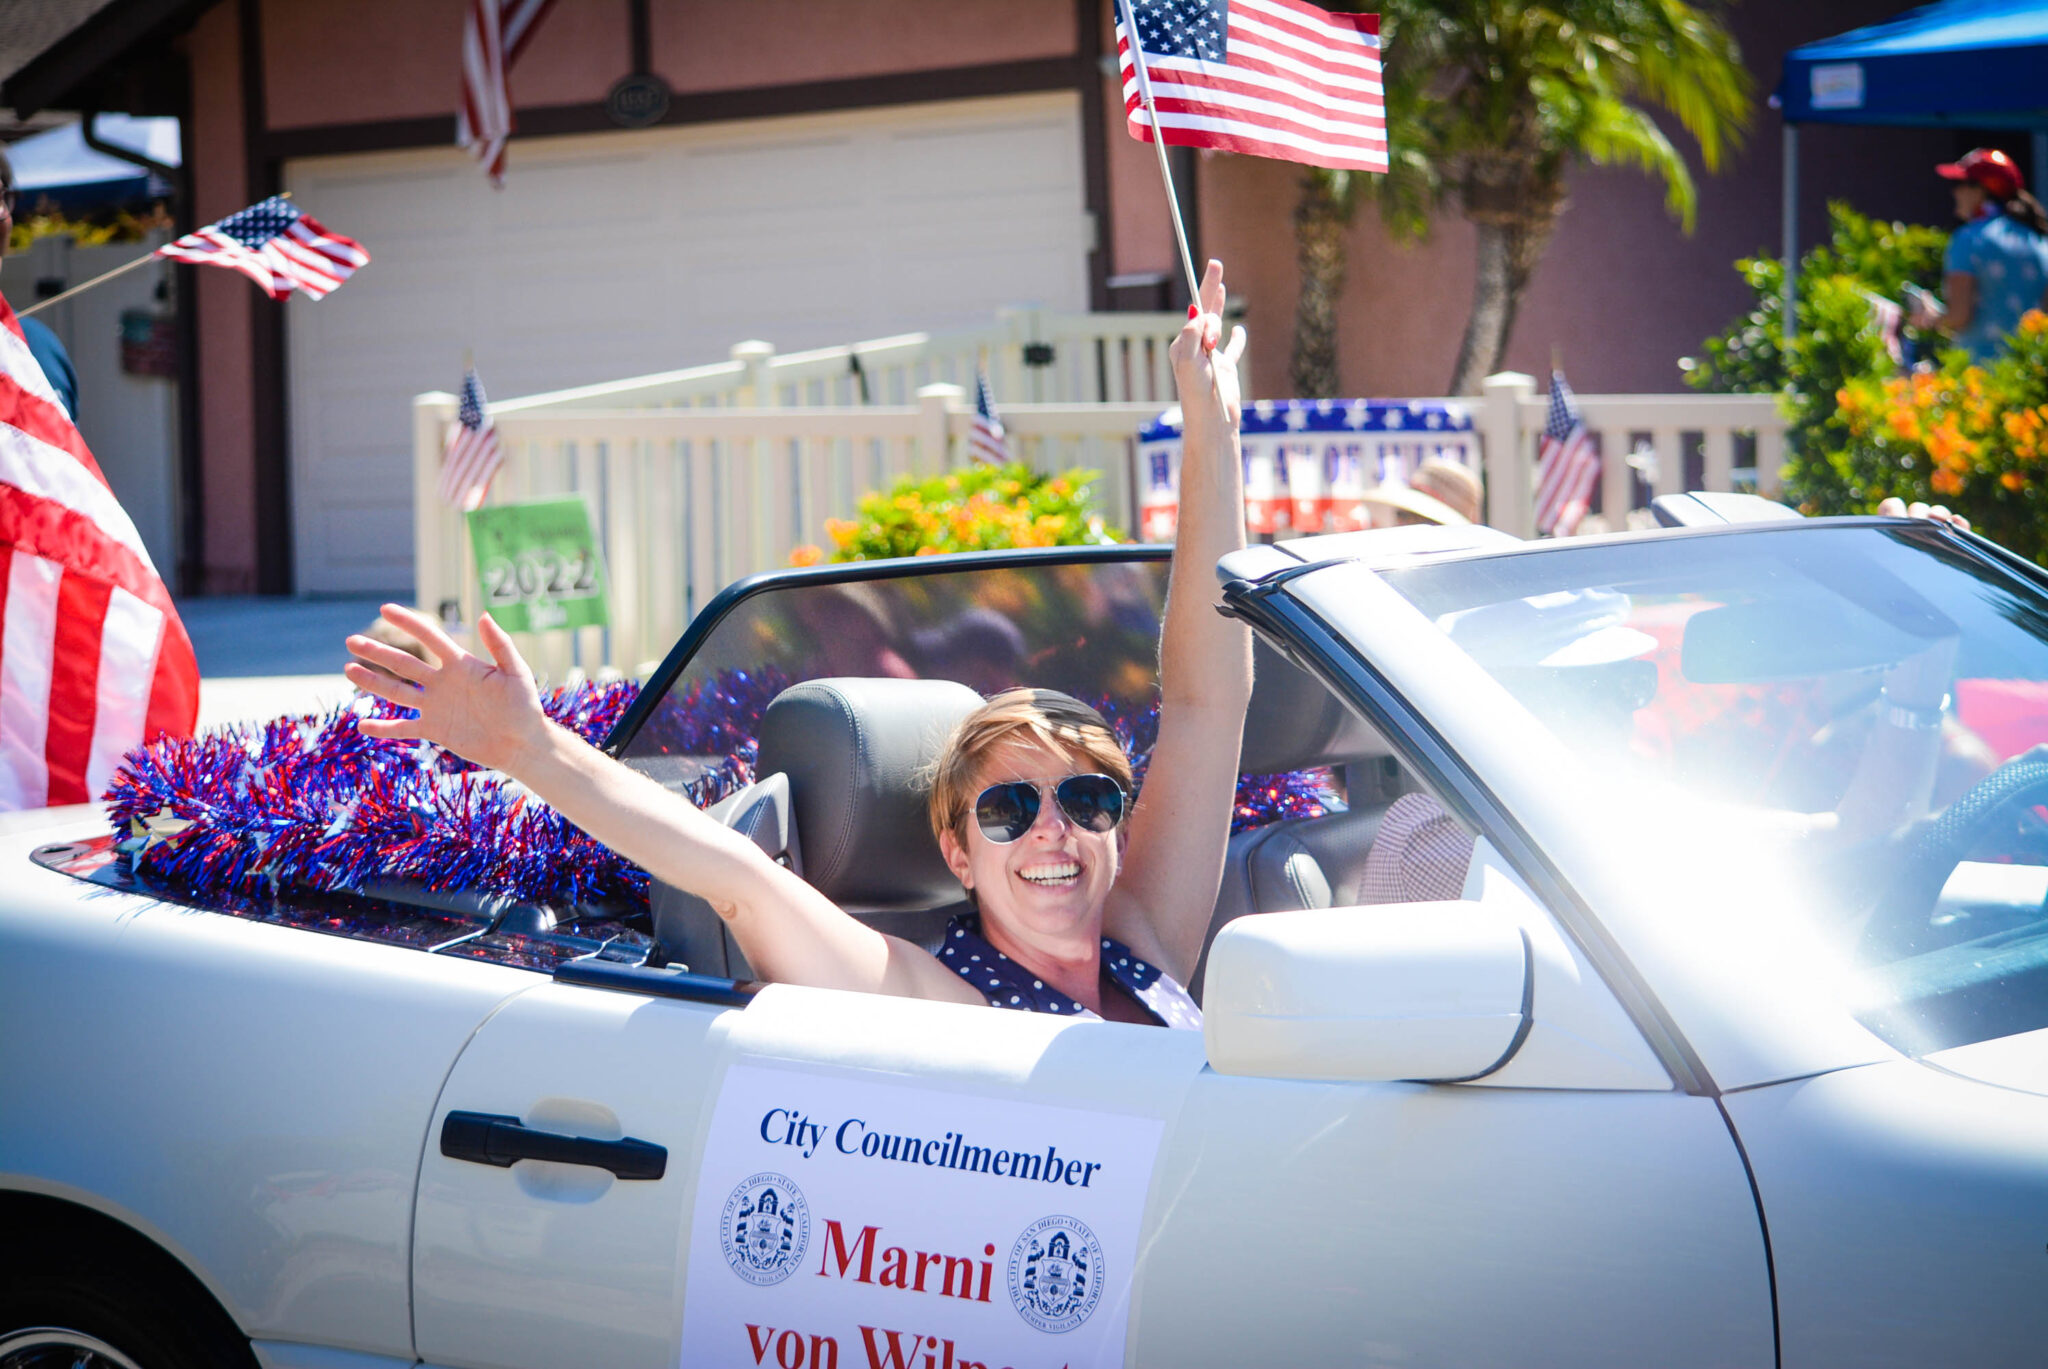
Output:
[[106, 1322]]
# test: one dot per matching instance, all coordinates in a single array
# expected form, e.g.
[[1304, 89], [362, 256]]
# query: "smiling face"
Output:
[[1969, 199], [1049, 885]]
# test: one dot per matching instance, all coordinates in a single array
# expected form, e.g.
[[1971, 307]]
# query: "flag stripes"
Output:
[[93, 659], [1271, 78], [1567, 463], [277, 246], [987, 440], [473, 454], [494, 35]]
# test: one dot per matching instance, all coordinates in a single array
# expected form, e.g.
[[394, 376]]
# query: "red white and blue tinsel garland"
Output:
[[309, 802]]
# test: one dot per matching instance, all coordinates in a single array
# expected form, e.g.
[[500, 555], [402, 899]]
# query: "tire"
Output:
[[109, 1319]]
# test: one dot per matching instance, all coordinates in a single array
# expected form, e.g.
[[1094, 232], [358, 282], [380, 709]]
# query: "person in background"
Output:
[[42, 343], [1997, 263], [1441, 491]]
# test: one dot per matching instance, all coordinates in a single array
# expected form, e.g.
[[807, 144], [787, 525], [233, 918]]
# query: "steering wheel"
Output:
[[1994, 804]]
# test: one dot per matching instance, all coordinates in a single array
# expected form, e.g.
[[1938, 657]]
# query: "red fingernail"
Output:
[[1192, 311]]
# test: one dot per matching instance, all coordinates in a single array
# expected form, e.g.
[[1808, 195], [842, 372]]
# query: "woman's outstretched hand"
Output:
[[486, 711], [1207, 375]]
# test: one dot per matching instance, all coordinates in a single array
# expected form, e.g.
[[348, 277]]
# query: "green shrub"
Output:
[[1827, 471]]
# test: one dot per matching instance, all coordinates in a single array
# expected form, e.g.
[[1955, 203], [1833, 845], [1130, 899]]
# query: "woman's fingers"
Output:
[[1212, 287], [403, 664], [499, 643], [425, 631], [1893, 507], [391, 729], [400, 692], [1236, 347]]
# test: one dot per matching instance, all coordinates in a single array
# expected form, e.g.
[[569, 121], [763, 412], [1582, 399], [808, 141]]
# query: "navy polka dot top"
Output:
[[1006, 984]]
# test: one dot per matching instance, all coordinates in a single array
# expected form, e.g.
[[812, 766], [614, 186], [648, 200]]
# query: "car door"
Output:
[[851, 1179], [847, 1179]]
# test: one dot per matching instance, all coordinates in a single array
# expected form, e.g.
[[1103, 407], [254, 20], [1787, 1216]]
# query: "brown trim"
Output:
[[185, 290], [1094, 152], [266, 336], [752, 102]]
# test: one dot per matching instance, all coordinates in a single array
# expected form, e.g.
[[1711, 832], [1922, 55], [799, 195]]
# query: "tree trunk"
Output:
[[1320, 218], [1514, 208], [1493, 311]]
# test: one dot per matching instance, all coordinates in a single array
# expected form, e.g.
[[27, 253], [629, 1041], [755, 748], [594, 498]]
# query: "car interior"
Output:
[[841, 789]]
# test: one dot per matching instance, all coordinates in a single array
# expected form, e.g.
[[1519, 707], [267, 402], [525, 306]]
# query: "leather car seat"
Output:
[[841, 800]]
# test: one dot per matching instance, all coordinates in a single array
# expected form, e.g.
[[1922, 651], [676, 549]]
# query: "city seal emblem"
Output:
[[764, 1229], [1056, 1274]]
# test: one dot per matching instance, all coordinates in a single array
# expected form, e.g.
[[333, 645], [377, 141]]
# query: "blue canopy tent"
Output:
[[1958, 63], [61, 164]]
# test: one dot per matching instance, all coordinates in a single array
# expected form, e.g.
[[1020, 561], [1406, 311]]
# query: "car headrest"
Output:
[[856, 752], [1294, 722]]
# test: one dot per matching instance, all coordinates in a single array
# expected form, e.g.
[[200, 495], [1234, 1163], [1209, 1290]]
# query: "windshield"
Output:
[[1847, 711]]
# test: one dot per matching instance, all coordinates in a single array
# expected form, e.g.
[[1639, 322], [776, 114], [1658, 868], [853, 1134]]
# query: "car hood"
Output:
[[2012, 1062]]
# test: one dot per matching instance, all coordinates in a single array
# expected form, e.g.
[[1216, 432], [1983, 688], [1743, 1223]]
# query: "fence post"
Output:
[[757, 392], [436, 535], [1510, 503], [935, 404]]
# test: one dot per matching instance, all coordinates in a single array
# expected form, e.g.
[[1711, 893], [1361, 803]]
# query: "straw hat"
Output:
[[1440, 491]]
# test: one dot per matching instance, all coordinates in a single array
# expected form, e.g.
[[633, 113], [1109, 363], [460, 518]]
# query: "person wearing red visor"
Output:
[[1997, 263]]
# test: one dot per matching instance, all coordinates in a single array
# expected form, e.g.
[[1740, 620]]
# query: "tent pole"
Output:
[[1789, 198]]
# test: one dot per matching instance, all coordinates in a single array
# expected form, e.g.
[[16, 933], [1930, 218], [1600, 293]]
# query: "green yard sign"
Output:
[[539, 564]]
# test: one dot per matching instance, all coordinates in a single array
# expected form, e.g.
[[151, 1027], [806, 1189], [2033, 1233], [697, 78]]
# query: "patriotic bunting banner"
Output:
[[93, 659]]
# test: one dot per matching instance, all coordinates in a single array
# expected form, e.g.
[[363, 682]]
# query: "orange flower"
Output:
[[806, 555], [2012, 480], [1946, 481]]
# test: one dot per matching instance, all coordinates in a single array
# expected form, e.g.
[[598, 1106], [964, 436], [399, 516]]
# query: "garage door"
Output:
[[622, 254]]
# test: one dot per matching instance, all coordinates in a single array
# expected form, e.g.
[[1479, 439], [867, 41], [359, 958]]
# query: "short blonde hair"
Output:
[[1046, 716]]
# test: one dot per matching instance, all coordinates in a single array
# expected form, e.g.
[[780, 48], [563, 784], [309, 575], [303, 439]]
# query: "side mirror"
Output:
[[1430, 992]]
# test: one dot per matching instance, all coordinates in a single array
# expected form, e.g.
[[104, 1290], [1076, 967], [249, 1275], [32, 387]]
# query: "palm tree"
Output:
[[1494, 100]]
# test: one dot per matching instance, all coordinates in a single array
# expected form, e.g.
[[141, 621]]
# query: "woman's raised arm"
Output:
[[1164, 898], [488, 711]]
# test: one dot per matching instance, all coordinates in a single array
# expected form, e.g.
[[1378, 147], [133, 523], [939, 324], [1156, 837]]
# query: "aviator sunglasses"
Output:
[[1005, 812]]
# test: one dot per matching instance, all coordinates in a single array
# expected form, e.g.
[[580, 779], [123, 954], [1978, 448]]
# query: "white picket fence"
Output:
[[694, 483]]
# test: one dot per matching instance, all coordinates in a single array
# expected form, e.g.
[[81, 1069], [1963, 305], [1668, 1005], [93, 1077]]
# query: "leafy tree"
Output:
[[1492, 101]]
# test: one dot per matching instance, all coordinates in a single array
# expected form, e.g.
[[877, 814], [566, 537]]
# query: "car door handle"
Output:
[[487, 1138]]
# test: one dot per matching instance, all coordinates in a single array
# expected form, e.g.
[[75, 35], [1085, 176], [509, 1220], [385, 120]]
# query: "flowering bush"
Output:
[[1827, 471], [1974, 437], [977, 508]]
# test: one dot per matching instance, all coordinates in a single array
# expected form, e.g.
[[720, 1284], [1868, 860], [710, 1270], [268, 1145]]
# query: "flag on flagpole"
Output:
[[1567, 464], [1273, 78], [494, 34], [986, 439], [93, 659], [276, 244], [472, 456]]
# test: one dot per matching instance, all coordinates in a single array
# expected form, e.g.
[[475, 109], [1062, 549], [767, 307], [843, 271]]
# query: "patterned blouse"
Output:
[[1006, 984]]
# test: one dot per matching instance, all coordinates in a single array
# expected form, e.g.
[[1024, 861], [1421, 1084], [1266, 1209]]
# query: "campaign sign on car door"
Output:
[[844, 1222]]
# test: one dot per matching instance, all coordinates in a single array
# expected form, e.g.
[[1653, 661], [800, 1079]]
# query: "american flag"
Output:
[[986, 440], [276, 244], [1273, 78], [1567, 464], [473, 455], [494, 34], [93, 659]]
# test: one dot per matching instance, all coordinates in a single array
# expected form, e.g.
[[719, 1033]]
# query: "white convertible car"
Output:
[[1731, 1053]]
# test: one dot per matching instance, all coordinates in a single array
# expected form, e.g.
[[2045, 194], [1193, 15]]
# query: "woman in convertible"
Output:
[[1078, 911]]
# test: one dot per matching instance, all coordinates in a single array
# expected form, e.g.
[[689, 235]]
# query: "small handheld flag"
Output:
[[1567, 464], [1273, 78], [986, 439], [276, 244], [473, 455]]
